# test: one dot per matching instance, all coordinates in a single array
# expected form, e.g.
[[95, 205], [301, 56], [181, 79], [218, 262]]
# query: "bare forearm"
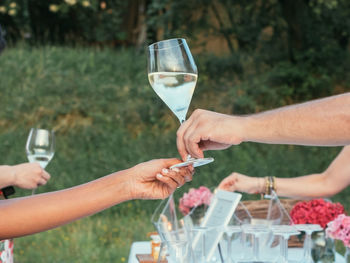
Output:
[[310, 186], [320, 122], [45, 211], [333, 180]]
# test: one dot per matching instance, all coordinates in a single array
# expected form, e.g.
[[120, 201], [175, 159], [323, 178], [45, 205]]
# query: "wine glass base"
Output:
[[195, 162]]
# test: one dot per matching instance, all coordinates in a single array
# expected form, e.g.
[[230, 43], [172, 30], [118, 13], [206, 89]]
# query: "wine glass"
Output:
[[260, 235], [40, 147], [172, 74], [308, 229], [284, 232], [233, 233]]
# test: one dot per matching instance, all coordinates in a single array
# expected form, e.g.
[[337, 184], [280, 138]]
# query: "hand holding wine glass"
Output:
[[172, 74], [40, 147]]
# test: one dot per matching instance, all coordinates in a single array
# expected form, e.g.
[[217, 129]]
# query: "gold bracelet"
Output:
[[270, 185], [274, 187], [267, 185]]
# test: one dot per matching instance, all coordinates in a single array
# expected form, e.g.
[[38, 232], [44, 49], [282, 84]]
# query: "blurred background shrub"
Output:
[[292, 45]]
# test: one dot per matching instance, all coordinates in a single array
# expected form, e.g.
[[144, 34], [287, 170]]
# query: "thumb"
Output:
[[170, 162]]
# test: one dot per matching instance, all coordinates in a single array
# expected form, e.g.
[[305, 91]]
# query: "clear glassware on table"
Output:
[[165, 221], [172, 74], [308, 229], [232, 243], [175, 245], [40, 147], [178, 252], [257, 239], [200, 240], [284, 232]]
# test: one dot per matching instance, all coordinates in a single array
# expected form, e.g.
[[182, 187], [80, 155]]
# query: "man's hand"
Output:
[[207, 130], [153, 179], [28, 175]]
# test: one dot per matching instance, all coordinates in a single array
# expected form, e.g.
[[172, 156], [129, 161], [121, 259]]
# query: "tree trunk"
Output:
[[294, 13]]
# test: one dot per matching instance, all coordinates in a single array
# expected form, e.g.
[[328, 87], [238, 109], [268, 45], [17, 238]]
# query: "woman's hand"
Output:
[[154, 179], [242, 183], [25, 175]]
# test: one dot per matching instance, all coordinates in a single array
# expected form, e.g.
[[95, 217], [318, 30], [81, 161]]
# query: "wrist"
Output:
[[8, 176], [235, 125], [126, 184], [260, 185]]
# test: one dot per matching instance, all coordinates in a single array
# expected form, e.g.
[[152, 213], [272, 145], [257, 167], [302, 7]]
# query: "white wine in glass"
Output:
[[175, 89], [40, 147], [172, 74]]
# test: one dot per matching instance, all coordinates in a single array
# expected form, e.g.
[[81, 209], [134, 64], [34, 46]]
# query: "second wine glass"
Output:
[[40, 147]]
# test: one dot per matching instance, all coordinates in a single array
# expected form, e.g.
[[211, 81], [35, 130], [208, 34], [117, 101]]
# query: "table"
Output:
[[144, 247], [141, 247]]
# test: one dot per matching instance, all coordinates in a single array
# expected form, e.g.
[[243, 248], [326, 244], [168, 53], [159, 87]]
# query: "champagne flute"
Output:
[[40, 147], [172, 74]]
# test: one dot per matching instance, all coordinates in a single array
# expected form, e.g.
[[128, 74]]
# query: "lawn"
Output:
[[107, 118]]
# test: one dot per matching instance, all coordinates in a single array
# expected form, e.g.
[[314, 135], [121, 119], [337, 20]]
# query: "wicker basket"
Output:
[[258, 210]]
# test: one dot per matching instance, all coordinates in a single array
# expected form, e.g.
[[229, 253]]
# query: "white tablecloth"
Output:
[[141, 247], [144, 247]]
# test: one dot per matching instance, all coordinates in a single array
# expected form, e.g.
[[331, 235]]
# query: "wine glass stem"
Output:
[[307, 248], [284, 249], [256, 247], [33, 191]]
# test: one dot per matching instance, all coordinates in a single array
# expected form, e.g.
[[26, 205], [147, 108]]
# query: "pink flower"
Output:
[[339, 229], [194, 197]]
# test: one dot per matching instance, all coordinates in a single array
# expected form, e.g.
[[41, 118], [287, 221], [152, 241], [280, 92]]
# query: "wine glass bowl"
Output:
[[40, 147], [173, 74]]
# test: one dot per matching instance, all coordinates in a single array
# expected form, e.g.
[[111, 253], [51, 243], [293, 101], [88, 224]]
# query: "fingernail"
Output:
[[187, 179], [165, 171], [175, 169], [159, 176]]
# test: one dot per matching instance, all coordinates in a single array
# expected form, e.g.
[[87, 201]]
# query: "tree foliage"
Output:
[[286, 50]]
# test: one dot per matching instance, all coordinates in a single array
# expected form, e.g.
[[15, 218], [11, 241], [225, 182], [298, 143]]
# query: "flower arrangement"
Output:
[[316, 211], [339, 229], [195, 198]]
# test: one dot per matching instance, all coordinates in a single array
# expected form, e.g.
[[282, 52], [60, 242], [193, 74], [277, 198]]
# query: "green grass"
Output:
[[107, 118]]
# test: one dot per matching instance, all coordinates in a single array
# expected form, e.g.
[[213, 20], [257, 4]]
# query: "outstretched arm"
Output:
[[150, 180], [319, 122], [333, 180]]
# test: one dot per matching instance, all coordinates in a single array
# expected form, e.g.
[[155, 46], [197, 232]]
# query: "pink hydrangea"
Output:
[[194, 197], [339, 229]]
